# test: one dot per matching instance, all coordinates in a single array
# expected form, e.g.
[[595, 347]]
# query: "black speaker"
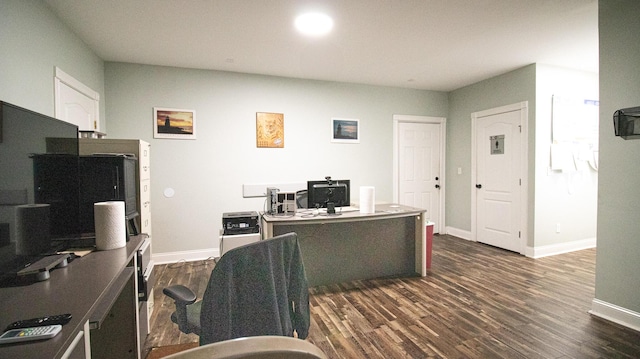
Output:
[[32, 229]]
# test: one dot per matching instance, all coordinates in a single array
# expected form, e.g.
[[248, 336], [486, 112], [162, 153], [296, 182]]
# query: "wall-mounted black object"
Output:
[[626, 123]]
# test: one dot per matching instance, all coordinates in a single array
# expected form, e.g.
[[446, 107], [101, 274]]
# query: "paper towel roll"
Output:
[[32, 229], [111, 225], [367, 199]]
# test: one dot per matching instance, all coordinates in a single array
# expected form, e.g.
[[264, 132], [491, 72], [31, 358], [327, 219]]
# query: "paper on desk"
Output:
[[80, 252]]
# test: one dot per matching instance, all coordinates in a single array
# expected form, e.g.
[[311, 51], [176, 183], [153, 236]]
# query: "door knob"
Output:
[[438, 186], [478, 186]]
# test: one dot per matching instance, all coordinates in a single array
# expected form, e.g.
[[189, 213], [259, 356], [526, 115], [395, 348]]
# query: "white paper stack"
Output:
[[111, 226]]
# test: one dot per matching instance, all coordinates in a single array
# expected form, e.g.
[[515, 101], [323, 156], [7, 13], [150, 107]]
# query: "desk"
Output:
[[353, 245], [100, 292]]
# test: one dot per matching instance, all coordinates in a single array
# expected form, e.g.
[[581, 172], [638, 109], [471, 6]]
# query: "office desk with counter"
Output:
[[99, 290], [354, 245]]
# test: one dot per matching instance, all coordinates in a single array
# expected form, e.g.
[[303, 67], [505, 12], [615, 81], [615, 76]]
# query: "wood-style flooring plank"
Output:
[[477, 301]]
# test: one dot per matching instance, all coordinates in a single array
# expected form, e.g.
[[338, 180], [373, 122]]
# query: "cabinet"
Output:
[[142, 151]]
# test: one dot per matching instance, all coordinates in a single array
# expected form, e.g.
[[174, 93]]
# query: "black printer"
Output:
[[240, 223]]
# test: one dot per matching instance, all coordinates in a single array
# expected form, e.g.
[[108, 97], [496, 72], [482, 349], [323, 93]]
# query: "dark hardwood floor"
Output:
[[476, 302]]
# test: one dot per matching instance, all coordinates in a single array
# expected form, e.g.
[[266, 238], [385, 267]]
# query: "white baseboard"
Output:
[[559, 248], [616, 314], [460, 233], [187, 256]]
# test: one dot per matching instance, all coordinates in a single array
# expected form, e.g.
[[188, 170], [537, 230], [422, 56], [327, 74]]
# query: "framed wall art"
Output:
[[174, 123], [345, 130], [269, 130]]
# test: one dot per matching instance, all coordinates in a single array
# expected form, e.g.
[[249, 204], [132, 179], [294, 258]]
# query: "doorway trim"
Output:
[[442, 121], [523, 107]]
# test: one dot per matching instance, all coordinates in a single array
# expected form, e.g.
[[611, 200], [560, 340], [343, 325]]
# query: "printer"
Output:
[[240, 223]]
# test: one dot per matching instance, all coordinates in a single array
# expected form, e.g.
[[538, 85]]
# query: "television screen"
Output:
[[24, 133]]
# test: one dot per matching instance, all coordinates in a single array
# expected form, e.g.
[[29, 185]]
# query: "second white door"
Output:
[[499, 160], [419, 168]]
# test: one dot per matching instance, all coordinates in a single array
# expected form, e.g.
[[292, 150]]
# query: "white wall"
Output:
[[564, 200], [207, 173]]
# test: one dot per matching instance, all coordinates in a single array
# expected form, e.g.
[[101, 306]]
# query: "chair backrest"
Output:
[[255, 290], [261, 347]]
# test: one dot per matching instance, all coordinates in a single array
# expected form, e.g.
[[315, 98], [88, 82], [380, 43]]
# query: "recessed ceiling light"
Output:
[[314, 24]]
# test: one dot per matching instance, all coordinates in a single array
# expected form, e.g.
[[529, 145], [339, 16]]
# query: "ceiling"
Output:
[[423, 44]]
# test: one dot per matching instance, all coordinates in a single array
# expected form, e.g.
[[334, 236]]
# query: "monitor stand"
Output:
[[39, 270]]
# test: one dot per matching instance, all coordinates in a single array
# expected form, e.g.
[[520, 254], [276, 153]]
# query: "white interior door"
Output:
[[498, 178], [420, 166], [76, 103]]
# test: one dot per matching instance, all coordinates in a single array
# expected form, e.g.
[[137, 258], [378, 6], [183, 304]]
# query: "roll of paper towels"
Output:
[[32, 229], [367, 199], [111, 225]]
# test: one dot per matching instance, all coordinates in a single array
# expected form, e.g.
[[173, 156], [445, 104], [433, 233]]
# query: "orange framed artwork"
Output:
[[269, 130]]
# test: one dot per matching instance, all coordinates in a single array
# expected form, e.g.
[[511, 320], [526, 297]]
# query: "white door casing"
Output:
[[499, 173], [418, 179], [76, 103]]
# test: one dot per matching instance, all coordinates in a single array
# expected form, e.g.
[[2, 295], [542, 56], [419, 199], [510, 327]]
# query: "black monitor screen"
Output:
[[328, 193], [24, 133]]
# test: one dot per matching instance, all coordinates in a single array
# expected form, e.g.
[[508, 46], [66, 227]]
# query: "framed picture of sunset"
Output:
[[174, 123]]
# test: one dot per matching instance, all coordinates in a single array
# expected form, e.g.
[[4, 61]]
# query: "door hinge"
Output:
[[519, 234], [520, 127], [520, 180]]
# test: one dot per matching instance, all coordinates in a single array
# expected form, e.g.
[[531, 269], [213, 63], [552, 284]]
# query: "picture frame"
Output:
[[345, 130], [269, 130], [174, 123]]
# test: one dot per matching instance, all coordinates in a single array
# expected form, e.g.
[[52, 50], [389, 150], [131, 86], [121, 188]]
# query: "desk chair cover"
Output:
[[257, 289]]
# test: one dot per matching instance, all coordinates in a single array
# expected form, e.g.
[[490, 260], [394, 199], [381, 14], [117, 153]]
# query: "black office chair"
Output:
[[255, 290]]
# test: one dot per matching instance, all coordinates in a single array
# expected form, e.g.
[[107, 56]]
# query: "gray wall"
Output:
[[554, 197], [513, 87], [33, 43], [618, 260], [207, 174]]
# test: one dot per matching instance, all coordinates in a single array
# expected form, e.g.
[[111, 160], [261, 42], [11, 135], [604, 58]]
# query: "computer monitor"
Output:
[[328, 194]]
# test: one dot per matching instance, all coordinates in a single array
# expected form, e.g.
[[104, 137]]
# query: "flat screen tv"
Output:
[[328, 194], [24, 133]]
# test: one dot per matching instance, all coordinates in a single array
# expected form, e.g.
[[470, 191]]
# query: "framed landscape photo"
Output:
[[174, 123], [344, 130]]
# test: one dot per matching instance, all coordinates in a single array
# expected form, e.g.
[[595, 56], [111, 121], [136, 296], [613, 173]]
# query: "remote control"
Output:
[[39, 322], [27, 334]]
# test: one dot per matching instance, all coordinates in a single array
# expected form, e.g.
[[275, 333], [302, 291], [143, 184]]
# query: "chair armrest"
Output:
[[180, 294]]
